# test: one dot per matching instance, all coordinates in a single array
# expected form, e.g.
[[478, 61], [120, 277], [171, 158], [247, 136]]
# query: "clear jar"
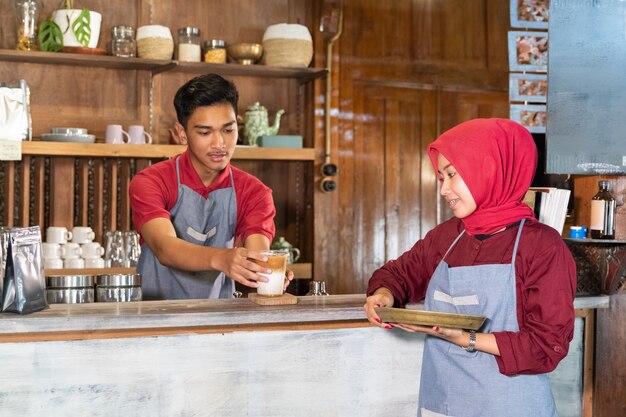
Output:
[[215, 51], [27, 20], [189, 44], [123, 41]]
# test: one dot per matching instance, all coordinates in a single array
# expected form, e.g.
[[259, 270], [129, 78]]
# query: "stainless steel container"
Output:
[[70, 289], [118, 287]]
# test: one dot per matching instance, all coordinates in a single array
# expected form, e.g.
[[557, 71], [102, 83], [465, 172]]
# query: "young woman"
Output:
[[492, 259]]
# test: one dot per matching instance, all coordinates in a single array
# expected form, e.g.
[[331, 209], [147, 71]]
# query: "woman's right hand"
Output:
[[382, 297]]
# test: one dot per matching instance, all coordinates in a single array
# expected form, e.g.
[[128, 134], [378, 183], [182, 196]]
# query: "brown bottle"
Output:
[[602, 224]]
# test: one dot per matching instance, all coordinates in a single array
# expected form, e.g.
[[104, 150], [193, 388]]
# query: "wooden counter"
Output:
[[228, 358]]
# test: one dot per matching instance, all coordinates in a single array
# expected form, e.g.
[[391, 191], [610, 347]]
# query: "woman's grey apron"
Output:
[[208, 222], [463, 384]]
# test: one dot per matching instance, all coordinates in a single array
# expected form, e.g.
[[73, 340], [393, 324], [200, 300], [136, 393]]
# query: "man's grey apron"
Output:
[[463, 384], [207, 222]]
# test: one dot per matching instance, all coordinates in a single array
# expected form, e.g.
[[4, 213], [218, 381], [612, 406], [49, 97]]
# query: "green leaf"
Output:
[[50, 36], [82, 27]]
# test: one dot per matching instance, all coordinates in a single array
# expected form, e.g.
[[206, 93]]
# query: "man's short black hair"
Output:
[[204, 90]]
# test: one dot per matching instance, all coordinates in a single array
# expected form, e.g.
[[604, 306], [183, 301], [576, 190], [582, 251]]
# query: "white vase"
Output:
[[66, 17]]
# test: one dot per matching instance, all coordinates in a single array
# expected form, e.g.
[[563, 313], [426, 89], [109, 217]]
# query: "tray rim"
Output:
[[433, 314]]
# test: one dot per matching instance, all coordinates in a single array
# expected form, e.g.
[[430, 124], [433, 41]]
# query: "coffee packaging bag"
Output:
[[24, 281]]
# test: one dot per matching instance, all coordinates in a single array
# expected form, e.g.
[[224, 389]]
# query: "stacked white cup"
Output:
[[73, 249], [91, 252], [54, 247]]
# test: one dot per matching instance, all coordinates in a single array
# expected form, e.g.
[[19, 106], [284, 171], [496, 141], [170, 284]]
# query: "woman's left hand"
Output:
[[288, 278]]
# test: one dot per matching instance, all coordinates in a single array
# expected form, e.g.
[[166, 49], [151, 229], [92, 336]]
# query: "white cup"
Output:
[[56, 234], [82, 234], [52, 250], [91, 250], [53, 263], [71, 250], [116, 135], [73, 263], [138, 136], [94, 263]]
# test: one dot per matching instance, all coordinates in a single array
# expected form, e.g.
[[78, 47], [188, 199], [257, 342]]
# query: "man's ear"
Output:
[[180, 132]]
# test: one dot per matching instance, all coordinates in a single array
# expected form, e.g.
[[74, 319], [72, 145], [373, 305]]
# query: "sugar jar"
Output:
[[189, 44]]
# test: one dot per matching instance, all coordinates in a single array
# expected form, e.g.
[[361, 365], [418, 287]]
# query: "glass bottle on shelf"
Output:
[[602, 225], [27, 19], [189, 44]]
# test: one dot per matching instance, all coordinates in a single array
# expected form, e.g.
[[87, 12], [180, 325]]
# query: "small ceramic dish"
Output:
[[56, 137]]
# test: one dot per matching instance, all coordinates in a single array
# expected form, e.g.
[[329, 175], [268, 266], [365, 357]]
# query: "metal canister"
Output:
[[118, 287], [70, 289]]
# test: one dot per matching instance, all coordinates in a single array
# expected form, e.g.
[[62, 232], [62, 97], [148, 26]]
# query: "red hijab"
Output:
[[497, 159]]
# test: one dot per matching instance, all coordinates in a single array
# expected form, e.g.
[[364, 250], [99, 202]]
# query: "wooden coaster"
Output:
[[272, 301]]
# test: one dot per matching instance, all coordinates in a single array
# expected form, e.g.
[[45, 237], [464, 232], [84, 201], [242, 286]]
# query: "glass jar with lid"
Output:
[[189, 44], [215, 51], [123, 41]]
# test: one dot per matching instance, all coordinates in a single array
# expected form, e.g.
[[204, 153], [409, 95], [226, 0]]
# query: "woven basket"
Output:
[[155, 48], [287, 52]]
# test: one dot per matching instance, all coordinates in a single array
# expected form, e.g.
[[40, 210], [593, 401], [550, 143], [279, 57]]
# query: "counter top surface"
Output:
[[192, 313]]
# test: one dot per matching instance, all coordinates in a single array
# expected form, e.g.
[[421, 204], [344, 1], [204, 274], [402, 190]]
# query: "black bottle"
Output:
[[603, 213]]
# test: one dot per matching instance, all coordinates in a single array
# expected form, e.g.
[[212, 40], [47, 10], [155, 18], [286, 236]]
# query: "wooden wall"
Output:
[[403, 72]]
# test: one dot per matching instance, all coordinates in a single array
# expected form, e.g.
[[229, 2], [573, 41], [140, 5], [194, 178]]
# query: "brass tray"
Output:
[[429, 318]]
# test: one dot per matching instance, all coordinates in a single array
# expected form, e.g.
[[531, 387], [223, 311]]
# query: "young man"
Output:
[[202, 221]]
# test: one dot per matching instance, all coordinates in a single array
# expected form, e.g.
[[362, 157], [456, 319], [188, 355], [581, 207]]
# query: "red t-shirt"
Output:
[[545, 275], [154, 191]]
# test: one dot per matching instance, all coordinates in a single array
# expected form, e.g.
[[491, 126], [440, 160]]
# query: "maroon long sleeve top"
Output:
[[545, 286]]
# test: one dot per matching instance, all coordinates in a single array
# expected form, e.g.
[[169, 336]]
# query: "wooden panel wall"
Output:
[[403, 72]]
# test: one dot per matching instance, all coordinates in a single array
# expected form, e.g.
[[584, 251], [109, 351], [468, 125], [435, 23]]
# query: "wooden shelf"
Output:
[[300, 270], [89, 271], [157, 66], [156, 151]]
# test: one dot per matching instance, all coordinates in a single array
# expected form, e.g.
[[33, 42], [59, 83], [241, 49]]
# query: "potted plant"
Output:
[[68, 26]]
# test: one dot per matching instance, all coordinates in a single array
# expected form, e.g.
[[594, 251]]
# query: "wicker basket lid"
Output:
[[287, 31]]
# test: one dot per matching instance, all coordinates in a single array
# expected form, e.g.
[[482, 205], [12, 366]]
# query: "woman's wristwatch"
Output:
[[472, 342]]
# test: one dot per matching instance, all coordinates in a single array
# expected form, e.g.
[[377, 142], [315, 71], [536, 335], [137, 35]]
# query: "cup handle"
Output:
[[148, 137], [69, 236], [125, 135], [296, 254]]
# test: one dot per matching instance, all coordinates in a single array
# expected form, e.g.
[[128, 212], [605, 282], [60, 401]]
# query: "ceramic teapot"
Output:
[[256, 123], [281, 243]]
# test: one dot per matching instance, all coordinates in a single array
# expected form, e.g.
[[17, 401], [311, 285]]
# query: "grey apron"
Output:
[[208, 222], [463, 384]]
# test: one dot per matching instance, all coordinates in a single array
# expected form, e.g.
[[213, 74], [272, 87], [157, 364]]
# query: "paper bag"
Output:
[[15, 121]]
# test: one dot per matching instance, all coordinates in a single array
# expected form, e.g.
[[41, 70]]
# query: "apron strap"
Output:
[[177, 172], [519, 233], [453, 243]]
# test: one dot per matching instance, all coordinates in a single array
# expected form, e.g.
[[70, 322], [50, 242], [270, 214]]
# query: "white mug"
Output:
[[116, 135], [56, 234], [138, 136], [94, 263], [71, 250], [52, 263], [82, 234], [91, 250], [52, 250], [74, 263]]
